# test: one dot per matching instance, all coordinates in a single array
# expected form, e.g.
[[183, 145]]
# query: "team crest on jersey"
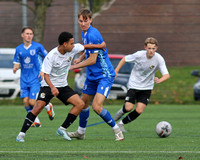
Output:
[[32, 52], [42, 95], [27, 60], [152, 66], [69, 59]]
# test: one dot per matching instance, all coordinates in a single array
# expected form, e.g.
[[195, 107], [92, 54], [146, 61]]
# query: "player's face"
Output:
[[84, 23], [27, 35], [69, 45], [151, 49]]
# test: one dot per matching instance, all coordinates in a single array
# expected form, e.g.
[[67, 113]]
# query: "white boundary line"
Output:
[[100, 152]]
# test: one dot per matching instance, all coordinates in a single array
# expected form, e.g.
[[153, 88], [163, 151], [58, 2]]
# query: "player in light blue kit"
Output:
[[29, 56], [100, 77]]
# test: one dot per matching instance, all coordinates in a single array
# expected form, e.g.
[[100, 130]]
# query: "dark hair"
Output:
[[23, 29], [86, 13], [64, 37]]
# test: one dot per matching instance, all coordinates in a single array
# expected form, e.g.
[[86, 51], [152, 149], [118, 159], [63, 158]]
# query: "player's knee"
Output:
[[80, 104], [129, 108], [26, 102], [96, 109]]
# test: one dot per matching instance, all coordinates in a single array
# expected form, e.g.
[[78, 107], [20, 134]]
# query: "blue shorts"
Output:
[[101, 86], [30, 92]]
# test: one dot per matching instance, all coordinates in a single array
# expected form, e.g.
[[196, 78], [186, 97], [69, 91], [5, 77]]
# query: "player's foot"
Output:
[[121, 126], [118, 115], [76, 135], [63, 133], [118, 134], [20, 137], [50, 112], [35, 124]]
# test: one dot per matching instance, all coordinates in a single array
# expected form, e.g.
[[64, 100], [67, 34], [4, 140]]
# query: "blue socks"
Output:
[[28, 109], [105, 115], [83, 117]]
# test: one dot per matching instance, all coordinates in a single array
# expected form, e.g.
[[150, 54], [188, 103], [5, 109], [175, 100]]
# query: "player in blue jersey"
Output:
[[100, 77], [29, 56]]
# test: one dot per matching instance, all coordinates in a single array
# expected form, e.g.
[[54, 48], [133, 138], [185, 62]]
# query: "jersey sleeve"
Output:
[[41, 55], [16, 59], [162, 66], [95, 38], [78, 48], [47, 65], [131, 57]]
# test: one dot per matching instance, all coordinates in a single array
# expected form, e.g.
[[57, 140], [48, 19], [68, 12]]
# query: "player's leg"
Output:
[[33, 92], [89, 90], [67, 95], [30, 118], [38, 107], [142, 98], [128, 106], [105, 115], [103, 89], [24, 93], [83, 118]]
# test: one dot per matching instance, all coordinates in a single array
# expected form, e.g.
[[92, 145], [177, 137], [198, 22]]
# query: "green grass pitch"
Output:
[[141, 141]]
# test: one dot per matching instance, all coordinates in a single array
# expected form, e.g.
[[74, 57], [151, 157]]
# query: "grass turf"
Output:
[[141, 141]]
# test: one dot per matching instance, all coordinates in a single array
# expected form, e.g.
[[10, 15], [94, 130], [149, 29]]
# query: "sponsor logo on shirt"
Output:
[[27, 60]]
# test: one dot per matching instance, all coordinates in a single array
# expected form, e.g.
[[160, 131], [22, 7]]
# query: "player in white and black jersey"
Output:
[[55, 68], [141, 81]]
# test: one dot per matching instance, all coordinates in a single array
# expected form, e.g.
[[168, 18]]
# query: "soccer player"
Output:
[[141, 81], [29, 56], [100, 77], [55, 68]]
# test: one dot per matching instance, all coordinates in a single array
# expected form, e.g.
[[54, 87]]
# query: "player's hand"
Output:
[[116, 74], [54, 91], [15, 70], [156, 80], [76, 61], [41, 76]]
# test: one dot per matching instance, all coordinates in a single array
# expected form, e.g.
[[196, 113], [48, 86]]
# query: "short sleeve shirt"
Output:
[[143, 72], [30, 60], [103, 67], [57, 65]]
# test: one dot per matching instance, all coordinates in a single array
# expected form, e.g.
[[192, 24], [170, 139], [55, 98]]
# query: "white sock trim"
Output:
[[81, 130]]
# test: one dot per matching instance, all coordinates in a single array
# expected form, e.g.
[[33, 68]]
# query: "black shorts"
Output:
[[138, 96], [64, 94]]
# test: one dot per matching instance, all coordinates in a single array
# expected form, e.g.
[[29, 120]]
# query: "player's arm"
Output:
[[41, 75], [54, 90], [80, 59], [162, 79], [119, 66], [93, 46], [164, 71], [89, 61], [16, 67]]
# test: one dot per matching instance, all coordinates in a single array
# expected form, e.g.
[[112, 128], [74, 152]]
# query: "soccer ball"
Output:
[[163, 129]]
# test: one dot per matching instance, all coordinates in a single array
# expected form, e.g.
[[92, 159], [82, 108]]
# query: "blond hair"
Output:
[[151, 40]]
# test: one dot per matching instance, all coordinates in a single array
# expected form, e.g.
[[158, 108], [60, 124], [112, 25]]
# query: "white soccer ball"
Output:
[[163, 129]]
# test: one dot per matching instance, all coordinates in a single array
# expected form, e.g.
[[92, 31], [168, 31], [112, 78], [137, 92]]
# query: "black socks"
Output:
[[30, 118], [69, 120], [130, 117]]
